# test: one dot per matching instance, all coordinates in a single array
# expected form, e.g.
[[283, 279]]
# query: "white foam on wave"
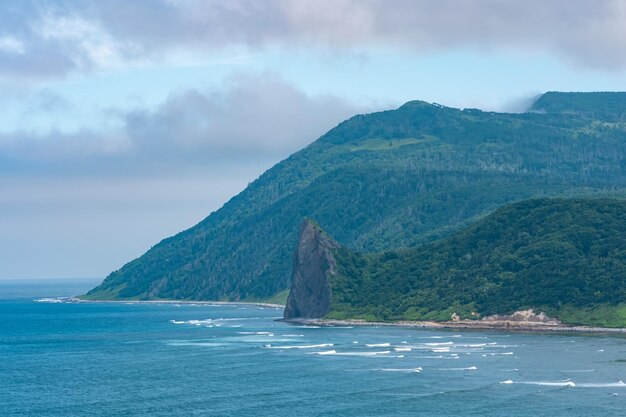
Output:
[[497, 353], [439, 344], [402, 349], [618, 384], [368, 354], [53, 300], [209, 322], [403, 370], [551, 383], [191, 343], [577, 370], [570, 383], [474, 345], [469, 368], [383, 352], [377, 344], [440, 350], [321, 345], [260, 340]]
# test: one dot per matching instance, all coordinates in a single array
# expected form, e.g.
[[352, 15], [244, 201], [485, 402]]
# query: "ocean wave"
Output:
[[479, 345], [192, 343], [497, 353], [440, 350], [618, 384], [469, 368], [219, 322], [402, 370], [53, 300], [368, 354], [378, 344], [321, 345], [569, 383]]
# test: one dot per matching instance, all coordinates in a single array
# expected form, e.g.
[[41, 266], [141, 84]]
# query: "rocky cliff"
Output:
[[310, 294]]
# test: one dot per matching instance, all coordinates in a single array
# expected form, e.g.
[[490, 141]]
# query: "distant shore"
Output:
[[503, 325], [245, 303]]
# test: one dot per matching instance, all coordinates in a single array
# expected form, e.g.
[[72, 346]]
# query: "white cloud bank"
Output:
[[255, 118], [54, 38]]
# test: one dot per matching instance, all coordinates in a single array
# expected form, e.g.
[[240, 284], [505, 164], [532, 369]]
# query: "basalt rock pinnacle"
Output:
[[313, 263]]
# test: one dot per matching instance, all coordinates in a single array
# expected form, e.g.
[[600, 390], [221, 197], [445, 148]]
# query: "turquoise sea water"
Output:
[[115, 359]]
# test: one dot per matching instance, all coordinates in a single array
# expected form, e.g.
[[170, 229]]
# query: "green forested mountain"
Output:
[[380, 181], [605, 106], [566, 257]]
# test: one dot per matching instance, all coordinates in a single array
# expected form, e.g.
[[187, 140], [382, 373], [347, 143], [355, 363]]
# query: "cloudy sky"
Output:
[[123, 122]]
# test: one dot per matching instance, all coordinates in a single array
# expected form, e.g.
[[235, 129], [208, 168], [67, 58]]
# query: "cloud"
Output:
[[55, 38], [256, 117], [256, 114]]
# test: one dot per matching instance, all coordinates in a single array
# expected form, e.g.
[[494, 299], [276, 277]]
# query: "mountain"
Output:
[[380, 181], [605, 106], [565, 257]]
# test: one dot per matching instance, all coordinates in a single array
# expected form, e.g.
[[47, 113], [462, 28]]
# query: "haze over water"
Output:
[[138, 359]]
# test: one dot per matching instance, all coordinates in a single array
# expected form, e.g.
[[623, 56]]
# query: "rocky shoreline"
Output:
[[499, 325]]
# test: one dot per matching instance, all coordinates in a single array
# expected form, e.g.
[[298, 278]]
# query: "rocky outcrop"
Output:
[[313, 262], [524, 316]]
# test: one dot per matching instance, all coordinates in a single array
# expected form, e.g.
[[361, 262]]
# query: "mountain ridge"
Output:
[[390, 179]]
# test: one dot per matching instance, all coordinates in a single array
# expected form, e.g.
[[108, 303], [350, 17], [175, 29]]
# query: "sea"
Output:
[[136, 359]]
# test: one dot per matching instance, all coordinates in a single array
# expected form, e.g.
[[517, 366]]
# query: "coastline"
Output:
[[501, 325], [190, 302], [492, 325]]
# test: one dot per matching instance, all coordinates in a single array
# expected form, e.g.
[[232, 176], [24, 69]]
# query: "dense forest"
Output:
[[566, 257], [381, 181]]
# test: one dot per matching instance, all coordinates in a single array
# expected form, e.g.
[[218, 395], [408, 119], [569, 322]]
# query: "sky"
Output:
[[124, 122]]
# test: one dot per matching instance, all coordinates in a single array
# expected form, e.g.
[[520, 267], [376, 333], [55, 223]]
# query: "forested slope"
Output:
[[385, 180], [566, 257]]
